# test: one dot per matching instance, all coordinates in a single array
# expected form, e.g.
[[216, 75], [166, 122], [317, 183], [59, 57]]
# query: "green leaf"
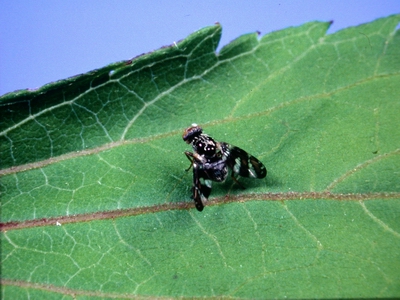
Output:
[[95, 201]]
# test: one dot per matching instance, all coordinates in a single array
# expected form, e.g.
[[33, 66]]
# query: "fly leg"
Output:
[[235, 180], [190, 157]]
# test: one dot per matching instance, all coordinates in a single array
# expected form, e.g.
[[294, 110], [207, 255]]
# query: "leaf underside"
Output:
[[95, 201]]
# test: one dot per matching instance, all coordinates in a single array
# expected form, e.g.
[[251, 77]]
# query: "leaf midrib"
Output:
[[185, 205]]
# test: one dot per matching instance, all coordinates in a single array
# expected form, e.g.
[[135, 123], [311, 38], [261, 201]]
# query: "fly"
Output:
[[211, 160]]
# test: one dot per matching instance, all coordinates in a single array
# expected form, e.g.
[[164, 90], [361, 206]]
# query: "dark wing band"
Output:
[[244, 164]]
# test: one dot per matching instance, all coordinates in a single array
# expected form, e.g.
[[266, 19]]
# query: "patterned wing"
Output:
[[244, 164], [201, 188]]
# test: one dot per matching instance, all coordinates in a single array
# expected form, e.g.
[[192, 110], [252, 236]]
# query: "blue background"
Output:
[[44, 41]]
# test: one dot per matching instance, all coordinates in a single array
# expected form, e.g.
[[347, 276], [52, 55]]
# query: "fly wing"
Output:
[[201, 189], [244, 164]]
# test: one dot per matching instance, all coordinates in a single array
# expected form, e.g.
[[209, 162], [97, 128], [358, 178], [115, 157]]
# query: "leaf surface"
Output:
[[95, 201]]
